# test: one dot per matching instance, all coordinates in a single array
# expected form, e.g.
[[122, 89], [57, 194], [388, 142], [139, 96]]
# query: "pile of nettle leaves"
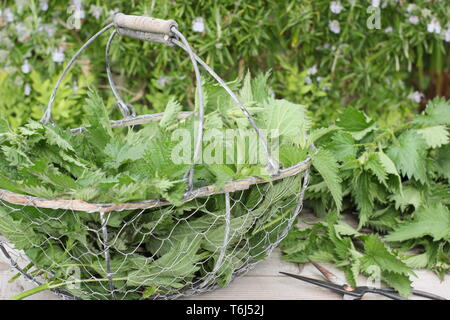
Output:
[[113, 165], [157, 251], [396, 181]]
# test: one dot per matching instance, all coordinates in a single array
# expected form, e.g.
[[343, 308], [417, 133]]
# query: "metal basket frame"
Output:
[[171, 38]]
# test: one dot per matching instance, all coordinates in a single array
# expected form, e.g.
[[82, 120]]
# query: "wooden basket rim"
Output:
[[81, 205]]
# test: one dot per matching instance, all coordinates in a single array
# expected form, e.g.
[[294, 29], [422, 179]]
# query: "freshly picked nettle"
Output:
[[100, 163]]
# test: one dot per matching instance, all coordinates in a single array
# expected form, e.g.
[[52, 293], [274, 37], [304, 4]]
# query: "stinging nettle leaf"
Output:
[[435, 136], [430, 220], [343, 145], [355, 122], [327, 166], [436, 113], [376, 253], [409, 155], [284, 118], [375, 165], [443, 161], [387, 163], [170, 114], [246, 93], [409, 196]]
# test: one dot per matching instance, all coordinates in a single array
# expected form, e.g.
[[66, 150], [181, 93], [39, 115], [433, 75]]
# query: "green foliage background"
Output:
[[375, 70]]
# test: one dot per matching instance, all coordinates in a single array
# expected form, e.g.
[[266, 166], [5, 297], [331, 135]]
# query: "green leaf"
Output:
[[409, 196], [246, 93], [394, 181], [96, 112], [418, 261], [345, 229], [409, 155], [4, 126], [170, 114], [99, 132], [159, 161], [436, 113], [316, 134], [384, 220], [343, 246], [15, 157], [343, 145], [119, 152], [377, 254], [355, 122], [260, 88], [223, 174], [169, 270], [387, 163], [443, 161], [326, 164], [435, 136], [291, 155], [431, 220], [149, 291], [57, 137], [364, 194], [375, 165], [400, 282], [14, 231], [286, 119]]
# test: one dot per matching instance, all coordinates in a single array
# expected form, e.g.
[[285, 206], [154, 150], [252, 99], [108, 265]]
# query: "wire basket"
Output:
[[217, 234]]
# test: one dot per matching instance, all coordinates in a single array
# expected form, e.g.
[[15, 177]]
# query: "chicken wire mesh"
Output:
[[151, 249], [130, 255]]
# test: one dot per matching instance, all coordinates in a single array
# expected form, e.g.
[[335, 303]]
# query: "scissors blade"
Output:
[[320, 283]]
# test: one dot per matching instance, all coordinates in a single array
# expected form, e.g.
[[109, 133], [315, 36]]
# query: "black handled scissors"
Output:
[[356, 293]]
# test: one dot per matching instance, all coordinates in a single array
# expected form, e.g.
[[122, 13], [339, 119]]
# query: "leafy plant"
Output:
[[375, 70], [395, 179]]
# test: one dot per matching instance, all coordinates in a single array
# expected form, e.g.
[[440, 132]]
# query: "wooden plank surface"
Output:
[[264, 283], [261, 283]]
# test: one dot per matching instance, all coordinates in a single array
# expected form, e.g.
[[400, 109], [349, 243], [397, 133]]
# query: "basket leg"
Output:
[[107, 254]]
